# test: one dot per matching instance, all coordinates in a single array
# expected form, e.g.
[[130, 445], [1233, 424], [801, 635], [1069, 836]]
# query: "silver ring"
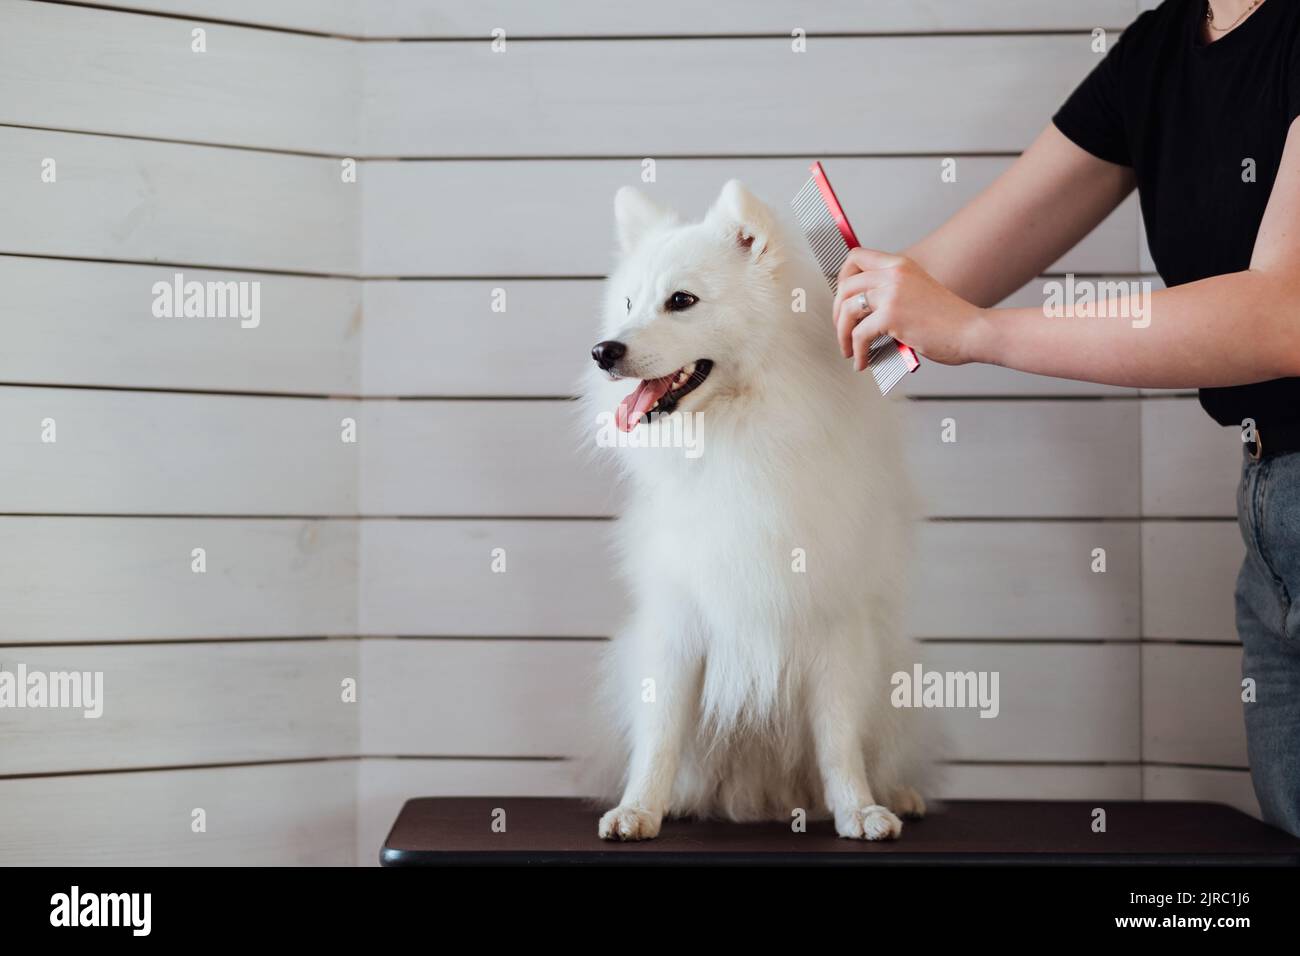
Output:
[[863, 304]]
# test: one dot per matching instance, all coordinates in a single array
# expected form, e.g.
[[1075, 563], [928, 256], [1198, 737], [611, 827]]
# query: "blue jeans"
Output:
[[1268, 622]]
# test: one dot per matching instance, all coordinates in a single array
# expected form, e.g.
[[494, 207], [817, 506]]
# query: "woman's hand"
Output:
[[908, 304]]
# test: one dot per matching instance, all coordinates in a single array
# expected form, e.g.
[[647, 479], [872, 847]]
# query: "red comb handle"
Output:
[[851, 240], [833, 204]]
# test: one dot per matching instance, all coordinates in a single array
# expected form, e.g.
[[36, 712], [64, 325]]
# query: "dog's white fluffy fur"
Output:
[[743, 686]]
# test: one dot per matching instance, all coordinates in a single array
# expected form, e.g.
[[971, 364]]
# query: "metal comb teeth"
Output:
[[887, 363], [820, 229]]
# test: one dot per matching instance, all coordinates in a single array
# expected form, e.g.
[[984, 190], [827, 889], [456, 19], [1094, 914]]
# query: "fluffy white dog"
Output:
[[766, 569]]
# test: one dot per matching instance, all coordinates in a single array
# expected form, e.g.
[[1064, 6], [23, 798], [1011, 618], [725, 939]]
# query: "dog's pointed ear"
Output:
[[637, 215], [746, 218]]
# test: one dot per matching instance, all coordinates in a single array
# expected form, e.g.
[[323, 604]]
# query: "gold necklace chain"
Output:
[[1209, 16]]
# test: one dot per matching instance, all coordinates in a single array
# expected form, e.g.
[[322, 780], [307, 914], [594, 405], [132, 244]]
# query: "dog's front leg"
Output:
[[836, 726], [665, 681]]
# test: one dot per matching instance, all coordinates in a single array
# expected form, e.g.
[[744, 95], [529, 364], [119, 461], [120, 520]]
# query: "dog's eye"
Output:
[[680, 301], [629, 304]]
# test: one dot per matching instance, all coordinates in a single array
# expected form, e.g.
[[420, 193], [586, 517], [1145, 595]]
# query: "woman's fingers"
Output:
[[848, 314], [862, 259], [864, 334], [858, 323], [849, 308], [863, 281]]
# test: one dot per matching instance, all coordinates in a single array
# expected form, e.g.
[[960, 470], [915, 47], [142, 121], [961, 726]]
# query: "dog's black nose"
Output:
[[607, 353]]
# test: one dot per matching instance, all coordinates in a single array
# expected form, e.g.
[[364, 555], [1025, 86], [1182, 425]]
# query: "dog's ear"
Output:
[[745, 218], [638, 215]]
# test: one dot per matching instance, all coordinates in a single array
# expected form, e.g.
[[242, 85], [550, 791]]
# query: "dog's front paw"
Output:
[[907, 803], [629, 823], [870, 823]]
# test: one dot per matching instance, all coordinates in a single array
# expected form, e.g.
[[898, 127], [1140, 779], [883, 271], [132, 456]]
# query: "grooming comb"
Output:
[[830, 236]]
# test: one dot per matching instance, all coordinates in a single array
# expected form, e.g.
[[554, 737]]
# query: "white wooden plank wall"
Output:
[[328, 559], [131, 200], [255, 815], [787, 98], [245, 88], [449, 19], [500, 214], [190, 534]]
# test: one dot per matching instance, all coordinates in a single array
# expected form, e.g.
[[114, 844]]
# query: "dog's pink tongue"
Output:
[[634, 407]]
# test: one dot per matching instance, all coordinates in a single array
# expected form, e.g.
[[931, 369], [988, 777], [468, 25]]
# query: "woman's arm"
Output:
[[1226, 330], [1052, 196]]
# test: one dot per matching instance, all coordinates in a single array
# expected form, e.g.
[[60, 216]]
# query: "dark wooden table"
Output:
[[433, 831]]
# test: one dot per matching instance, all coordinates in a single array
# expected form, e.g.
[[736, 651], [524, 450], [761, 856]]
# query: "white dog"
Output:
[[766, 570]]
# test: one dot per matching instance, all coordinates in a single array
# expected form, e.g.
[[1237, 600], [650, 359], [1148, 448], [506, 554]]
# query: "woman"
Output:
[[1195, 106]]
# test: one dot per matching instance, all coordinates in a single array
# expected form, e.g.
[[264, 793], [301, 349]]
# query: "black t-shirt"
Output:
[[1186, 116]]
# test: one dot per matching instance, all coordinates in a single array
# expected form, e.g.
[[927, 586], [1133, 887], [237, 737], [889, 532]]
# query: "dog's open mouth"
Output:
[[661, 395]]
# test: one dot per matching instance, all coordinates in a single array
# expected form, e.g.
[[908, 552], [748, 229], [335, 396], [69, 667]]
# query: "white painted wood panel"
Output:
[[1189, 575], [556, 218], [167, 453], [298, 814], [1058, 702], [1041, 782], [1025, 580], [1191, 705], [471, 698], [483, 458], [451, 19], [448, 18], [342, 17], [1064, 702], [437, 338], [385, 785], [169, 704], [1026, 458], [436, 578], [915, 94], [67, 579], [1010, 459], [135, 200], [91, 323], [1191, 465], [442, 338], [1232, 787], [104, 71], [999, 579]]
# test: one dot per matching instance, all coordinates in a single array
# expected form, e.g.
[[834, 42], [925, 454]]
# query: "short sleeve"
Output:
[[1093, 116]]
